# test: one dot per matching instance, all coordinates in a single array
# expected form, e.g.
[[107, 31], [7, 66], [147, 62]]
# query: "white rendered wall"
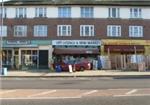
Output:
[[52, 12], [100, 12], [124, 13], [146, 13], [75, 12]]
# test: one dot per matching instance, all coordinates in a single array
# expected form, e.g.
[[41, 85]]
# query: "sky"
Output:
[[3, 0]]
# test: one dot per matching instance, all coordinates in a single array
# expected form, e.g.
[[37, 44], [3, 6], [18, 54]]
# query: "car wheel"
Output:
[[81, 68]]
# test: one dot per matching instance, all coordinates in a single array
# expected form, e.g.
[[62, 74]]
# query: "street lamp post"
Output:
[[1, 37]]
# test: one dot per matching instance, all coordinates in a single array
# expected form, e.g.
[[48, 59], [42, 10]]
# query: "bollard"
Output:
[[4, 71]]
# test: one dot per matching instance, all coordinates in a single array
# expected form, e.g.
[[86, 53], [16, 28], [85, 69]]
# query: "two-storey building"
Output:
[[35, 31]]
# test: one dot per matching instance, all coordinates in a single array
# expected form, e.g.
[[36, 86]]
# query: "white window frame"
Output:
[[87, 12], [3, 12], [40, 12], [64, 12], [135, 31], [88, 32], [114, 12], [114, 30], [135, 13], [20, 31], [3, 33], [64, 30], [40, 31], [21, 12]]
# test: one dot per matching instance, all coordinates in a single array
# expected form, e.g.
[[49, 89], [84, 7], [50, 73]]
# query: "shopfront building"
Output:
[[26, 54], [75, 50], [126, 47], [126, 54]]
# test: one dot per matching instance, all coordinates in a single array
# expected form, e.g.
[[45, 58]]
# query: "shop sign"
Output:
[[125, 42], [77, 42], [18, 42]]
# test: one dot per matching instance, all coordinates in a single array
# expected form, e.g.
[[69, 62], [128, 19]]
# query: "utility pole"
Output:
[[1, 37]]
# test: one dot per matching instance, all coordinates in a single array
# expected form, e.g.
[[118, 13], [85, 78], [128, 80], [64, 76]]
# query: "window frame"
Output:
[[111, 31], [4, 31], [41, 12], [137, 14], [3, 12], [64, 12], [87, 12], [40, 31], [113, 12], [21, 12], [61, 32], [137, 34], [83, 31], [20, 29]]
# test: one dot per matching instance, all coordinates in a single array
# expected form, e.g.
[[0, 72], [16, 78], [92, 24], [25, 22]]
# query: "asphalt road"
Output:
[[74, 83], [83, 101], [75, 91]]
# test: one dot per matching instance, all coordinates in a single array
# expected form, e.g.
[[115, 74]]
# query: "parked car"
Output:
[[78, 66]]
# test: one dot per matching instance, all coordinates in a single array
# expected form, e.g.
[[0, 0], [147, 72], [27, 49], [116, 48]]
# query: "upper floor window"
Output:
[[40, 30], [64, 12], [136, 31], [64, 30], [135, 13], [114, 12], [3, 31], [3, 12], [20, 30], [40, 12], [86, 30], [87, 12], [20, 12], [114, 30]]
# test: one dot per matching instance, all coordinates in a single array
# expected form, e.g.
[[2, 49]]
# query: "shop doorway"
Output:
[[16, 59], [29, 59], [43, 59]]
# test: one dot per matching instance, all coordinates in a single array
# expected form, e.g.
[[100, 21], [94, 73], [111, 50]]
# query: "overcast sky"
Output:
[[3, 0]]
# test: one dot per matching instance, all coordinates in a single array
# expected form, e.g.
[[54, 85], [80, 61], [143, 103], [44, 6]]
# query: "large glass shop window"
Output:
[[29, 58], [7, 57]]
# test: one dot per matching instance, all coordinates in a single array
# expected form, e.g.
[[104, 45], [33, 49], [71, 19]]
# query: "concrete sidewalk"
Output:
[[92, 73]]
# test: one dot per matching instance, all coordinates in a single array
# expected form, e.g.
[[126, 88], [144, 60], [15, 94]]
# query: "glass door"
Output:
[[29, 59]]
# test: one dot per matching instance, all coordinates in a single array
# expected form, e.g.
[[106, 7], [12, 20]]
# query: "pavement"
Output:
[[86, 73]]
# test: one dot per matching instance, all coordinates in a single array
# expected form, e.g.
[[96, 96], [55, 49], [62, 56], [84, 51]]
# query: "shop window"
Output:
[[7, 57], [29, 59]]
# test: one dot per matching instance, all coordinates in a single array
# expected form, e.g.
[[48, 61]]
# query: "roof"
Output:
[[79, 2]]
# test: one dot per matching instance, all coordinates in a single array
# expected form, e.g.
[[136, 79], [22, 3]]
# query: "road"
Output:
[[75, 91], [74, 83]]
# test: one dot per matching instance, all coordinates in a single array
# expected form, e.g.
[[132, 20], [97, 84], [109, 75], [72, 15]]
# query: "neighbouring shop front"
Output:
[[126, 54], [26, 55], [72, 51]]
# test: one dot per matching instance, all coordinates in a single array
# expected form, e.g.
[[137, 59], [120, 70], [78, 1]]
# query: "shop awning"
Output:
[[76, 51], [124, 48]]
